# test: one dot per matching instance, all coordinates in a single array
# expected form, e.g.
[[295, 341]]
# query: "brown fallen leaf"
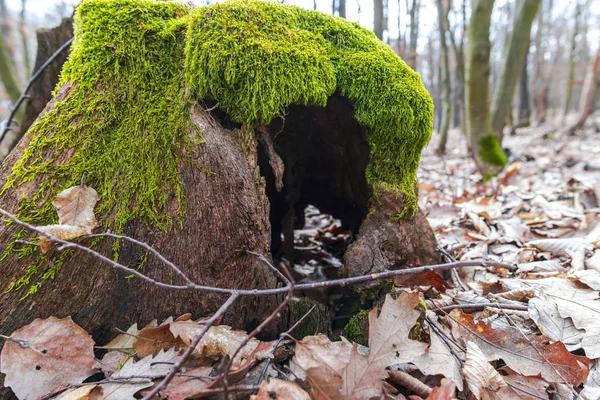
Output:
[[150, 341], [126, 382], [123, 342], [188, 385], [279, 389], [527, 356], [87, 392], [221, 340], [443, 392], [75, 208], [55, 352], [479, 374]]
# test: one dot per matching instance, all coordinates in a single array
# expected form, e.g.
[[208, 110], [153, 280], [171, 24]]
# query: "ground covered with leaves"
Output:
[[482, 333]]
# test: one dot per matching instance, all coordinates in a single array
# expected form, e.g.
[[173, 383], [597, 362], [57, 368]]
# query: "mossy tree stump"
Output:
[[308, 109]]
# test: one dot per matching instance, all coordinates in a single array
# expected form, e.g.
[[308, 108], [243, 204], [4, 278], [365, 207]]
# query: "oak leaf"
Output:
[[47, 354], [75, 208]]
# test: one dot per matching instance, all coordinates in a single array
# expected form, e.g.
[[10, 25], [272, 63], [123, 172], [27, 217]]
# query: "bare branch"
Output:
[[33, 78], [255, 292]]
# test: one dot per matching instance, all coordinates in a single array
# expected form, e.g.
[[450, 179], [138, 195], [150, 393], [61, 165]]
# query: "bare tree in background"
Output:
[[413, 35], [480, 139], [514, 55], [338, 7], [524, 111], [459, 72], [380, 17], [587, 94], [540, 84], [571, 72], [24, 41], [8, 74], [444, 75]]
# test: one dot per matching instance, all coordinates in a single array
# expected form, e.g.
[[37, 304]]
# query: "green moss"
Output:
[[136, 66], [256, 58], [357, 329], [491, 152]]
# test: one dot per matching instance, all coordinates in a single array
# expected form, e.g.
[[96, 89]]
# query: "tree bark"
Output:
[[480, 138], [571, 71], [379, 24], [587, 93], [445, 77], [8, 75], [513, 56], [413, 34], [524, 109], [49, 40], [24, 40]]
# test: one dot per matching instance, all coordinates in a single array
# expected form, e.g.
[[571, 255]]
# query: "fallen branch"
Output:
[[63, 245]]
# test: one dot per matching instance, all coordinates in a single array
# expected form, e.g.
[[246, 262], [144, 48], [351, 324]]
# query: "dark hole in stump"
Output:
[[325, 153]]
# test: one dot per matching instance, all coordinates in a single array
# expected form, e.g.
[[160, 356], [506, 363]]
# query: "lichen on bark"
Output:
[[136, 66]]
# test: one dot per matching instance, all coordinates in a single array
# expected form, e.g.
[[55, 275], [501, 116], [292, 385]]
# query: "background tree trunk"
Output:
[[49, 40], [587, 94], [445, 77], [379, 20], [480, 139], [8, 75], [514, 55], [524, 109], [571, 71], [413, 34]]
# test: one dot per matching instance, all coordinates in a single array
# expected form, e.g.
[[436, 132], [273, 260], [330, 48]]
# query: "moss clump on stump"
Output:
[[136, 67]]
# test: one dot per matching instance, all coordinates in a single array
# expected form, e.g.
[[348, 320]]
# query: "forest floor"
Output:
[[531, 333]]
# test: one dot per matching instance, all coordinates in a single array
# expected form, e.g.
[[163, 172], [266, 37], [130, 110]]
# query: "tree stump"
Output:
[[204, 132]]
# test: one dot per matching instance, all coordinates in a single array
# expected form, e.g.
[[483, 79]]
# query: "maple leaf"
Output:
[[47, 354], [75, 208]]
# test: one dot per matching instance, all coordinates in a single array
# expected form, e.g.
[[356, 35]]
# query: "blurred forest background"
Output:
[[543, 58]]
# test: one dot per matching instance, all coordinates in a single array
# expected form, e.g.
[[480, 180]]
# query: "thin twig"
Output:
[[33, 78], [281, 337], [147, 247], [256, 331], [480, 306], [446, 341], [272, 267], [188, 352], [256, 292]]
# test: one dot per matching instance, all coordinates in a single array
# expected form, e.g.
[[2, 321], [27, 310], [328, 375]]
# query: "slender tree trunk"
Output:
[[24, 41], [481, 142], [342, 8], [413, 34], [459, 73], [587, 94], [514, 56], [571, 73], [524, 110], [7, 72], [445, 77], [378, 18]]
